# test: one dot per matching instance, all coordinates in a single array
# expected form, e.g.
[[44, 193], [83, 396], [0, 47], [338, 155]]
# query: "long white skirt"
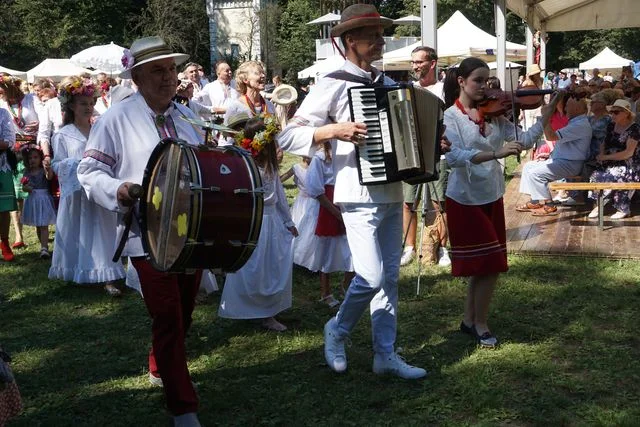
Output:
[[304, 213], [262, 287], [85, 242], [208, 282]]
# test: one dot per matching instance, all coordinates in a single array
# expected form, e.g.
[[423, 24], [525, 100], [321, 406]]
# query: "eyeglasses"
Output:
[[615, 112], [419, 62]]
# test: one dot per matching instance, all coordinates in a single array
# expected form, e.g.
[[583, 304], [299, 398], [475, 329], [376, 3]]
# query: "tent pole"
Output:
[[501, 35], [429, 23]]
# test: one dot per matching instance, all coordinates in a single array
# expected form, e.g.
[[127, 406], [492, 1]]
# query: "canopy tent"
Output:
[[56, 69], [407, 20], [322, 67], [458, 38], [15, 73], [573, 15], [604, 60], [329, 18]]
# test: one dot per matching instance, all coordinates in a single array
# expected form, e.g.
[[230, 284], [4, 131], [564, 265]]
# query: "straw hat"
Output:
[[358, 16], [145, 50], [238, 120], [621, 103], [533, 69], [284, 95]]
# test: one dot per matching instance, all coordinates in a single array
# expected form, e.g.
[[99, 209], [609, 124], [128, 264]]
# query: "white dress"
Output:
[[304, 213], [331, 253], [84, 241], [262, 287]]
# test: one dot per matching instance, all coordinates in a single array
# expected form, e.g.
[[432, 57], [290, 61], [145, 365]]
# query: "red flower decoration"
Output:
[[24, 180]]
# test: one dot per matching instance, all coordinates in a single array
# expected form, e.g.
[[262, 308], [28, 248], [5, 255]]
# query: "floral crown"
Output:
[[127, 59], [77, 87], [10, 80], [261, 138]]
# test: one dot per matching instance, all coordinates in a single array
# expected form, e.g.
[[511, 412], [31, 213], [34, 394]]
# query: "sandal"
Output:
[[18, 245], [545, 210], [112, 290], [528, 207], [330, 301]]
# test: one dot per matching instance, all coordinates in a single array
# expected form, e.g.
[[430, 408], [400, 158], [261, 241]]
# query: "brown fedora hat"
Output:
[[148, 49], [358, 16]]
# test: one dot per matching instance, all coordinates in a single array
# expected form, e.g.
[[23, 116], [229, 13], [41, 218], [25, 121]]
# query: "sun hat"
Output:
[[533, 69], [238, 120], [284, 95], [358, 16], [621, 103], [145, 50]]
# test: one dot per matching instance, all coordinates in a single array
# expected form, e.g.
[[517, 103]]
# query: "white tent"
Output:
[[322, 67], [605, 59], [325, 19], [15, 73], [573, 15], [56, 69], [459, 38]]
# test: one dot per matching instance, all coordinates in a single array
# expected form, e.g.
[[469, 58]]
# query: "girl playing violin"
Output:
[[476, 186]]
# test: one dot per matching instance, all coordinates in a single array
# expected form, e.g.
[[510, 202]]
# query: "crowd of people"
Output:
[[70, 155]]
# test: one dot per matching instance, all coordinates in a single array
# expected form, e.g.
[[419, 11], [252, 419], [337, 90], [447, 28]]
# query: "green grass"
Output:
[[570, 354]]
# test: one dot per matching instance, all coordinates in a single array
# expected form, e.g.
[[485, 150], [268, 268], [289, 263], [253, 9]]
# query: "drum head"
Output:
[[167, 205]]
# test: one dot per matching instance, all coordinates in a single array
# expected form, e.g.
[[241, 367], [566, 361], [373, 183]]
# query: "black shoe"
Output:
[[467, 329], [486, 340]]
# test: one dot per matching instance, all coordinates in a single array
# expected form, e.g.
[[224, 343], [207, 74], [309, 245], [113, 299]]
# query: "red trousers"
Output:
[[170, 298]]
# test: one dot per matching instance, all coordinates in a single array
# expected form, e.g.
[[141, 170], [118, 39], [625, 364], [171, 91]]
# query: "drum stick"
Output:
[[135, 192]]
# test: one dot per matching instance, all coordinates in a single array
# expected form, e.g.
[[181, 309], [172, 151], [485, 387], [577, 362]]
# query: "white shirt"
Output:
[[7, 135], [328, 103], [217, 94], [51, 120], [482, 183], [437, 89], [118, 150]]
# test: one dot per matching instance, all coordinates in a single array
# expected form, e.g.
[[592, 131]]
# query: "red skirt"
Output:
[[478, 238], [328, 225]]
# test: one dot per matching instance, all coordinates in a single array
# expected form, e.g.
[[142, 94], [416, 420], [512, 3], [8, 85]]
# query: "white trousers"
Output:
[[536, 176], [374, 233]]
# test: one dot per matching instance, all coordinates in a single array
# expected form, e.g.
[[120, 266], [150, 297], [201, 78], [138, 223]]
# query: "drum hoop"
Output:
[[196, 207], [162, 145], [258, 207]]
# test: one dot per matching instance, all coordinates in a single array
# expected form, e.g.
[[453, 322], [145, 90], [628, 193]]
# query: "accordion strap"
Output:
[[348, 77]]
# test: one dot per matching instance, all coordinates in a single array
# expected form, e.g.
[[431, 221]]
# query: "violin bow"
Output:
[[513, 114]]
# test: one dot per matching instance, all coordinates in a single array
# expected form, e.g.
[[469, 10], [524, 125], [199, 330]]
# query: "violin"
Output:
[[497, 102]]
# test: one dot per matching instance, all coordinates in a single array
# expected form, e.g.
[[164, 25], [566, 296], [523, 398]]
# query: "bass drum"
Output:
[[202, 207]]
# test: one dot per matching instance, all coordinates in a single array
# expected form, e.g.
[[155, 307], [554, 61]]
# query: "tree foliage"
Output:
[[296, 39]]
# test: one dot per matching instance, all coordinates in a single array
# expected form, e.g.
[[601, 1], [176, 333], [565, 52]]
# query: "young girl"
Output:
[[38, 208], [262, 287], [84, 243], [329, 251], [303, 211], [474, 193]]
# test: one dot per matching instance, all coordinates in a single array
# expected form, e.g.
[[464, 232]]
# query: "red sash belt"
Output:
[[328, 225]]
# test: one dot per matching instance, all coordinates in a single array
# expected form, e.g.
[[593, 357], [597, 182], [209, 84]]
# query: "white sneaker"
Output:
[[334, 352], [619, 215], [570, 201], [186, 420], [407, 255], [443, 257], [594, 213], [395, 365]]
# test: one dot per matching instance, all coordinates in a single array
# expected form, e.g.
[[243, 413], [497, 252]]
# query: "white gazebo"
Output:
[[457, 38], [15, 73], [56, 69], [322, 67], [607, 59]]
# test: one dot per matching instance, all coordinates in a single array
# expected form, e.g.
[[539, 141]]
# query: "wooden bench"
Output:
[[595, 186]]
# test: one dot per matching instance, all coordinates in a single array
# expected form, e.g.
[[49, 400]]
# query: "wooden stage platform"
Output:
[[570, 232]]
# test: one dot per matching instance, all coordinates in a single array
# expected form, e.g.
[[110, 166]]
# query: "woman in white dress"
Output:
[[331, 251], [262, 287], [84, 242], [304, 213]]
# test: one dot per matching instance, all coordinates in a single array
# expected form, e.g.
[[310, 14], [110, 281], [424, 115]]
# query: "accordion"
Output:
[[403, 133]]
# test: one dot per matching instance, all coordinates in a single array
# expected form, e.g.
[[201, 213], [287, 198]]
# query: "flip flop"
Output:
[[528, 207], [545, 210]]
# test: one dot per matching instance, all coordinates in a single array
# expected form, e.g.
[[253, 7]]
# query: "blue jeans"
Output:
[[374, 233]]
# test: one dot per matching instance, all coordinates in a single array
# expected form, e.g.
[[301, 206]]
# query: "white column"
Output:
[[529, 35], [429, 23], [543, 49], [501, 35]]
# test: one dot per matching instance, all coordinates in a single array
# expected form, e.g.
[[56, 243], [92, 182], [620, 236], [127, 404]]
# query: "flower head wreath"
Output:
[[76, 87], [261, 138], [10, 80]]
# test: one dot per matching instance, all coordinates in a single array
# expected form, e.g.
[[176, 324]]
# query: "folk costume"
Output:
[[236, 106], [83, 246], [38, 207], [304, 213], [474, 193], [117, 151], [7, 135], [331, 251], [372, 215]]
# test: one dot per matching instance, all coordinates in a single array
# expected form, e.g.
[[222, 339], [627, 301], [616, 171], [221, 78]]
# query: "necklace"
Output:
[[261, 104]]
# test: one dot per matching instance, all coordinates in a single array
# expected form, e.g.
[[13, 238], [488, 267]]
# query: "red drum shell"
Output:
[[202, 207]]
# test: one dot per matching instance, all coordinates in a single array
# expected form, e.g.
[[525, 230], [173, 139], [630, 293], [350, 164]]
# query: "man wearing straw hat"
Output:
[[117, 151], [372, 215]]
